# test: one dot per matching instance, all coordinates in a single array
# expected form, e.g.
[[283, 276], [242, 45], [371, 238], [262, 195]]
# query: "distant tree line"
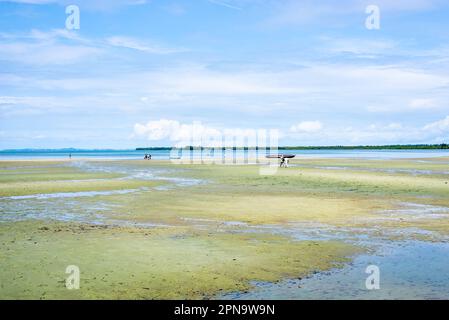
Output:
[[382, 147]]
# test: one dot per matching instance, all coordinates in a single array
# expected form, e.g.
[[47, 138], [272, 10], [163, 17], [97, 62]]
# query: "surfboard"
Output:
[[278, 156]]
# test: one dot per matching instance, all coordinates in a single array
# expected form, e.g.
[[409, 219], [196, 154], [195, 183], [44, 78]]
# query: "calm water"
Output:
[[407, 270], [166, 154]]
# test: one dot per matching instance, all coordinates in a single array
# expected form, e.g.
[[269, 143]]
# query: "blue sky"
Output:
[[139, 73]]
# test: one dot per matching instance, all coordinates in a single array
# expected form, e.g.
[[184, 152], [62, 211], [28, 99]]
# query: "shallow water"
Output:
[[408, 270], [135, 173], [165, 154], [369, 235], [60, 209], [66, 210], [70, 206], [414, 211], [79, 194]]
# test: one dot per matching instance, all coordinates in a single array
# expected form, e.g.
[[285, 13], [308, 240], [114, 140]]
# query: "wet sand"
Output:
[[154, 229]]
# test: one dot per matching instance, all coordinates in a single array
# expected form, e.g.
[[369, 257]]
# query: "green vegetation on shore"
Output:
[[382, 147], [361, 147]]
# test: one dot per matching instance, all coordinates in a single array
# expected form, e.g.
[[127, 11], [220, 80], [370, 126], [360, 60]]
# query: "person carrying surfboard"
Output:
[[282, 164]]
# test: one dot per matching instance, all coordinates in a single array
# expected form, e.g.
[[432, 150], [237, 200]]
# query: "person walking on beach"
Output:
[[282, 164]]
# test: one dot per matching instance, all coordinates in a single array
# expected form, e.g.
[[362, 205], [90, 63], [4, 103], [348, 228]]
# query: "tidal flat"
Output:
[[159, 230]]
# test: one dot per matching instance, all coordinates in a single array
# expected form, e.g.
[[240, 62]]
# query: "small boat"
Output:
[[279, 156]]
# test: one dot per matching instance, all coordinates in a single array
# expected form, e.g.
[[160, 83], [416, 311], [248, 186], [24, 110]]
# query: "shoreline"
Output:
[[238, 155], [238, 160]]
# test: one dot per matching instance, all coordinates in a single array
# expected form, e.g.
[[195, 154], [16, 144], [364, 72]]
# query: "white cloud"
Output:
[[342, 90], [339, 89], [369, 134], [402, 5], [378, 134], [197, 134], [311, 133], [158, 130], [30, 1], [179, 82], [98, 5], [54, 34], [131, 43], [395, 126], [11, 106], [44, 54], [423, 104], [60, 46], [226, 4], [55, 47], [307, 127], [358, 46], [36, 34], [179, 133], [294, 12], [29, 105], [441, 126]]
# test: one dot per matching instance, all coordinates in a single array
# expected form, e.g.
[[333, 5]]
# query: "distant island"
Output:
[[382, 147]]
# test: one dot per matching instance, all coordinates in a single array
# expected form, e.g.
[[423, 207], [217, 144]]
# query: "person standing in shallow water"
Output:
[[70, 156]]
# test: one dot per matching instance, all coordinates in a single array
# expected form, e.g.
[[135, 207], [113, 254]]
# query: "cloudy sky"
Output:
[[138, 73]]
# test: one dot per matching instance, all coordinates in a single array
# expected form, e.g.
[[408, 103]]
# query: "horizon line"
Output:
[[372, 146]]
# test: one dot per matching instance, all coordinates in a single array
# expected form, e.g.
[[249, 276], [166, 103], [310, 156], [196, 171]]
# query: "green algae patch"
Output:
[[160, 263], [258, 208], [30, 171], [46, 187], [8, 164], [377, 183], [427, 229], [11, 177], [244, 179], [435, 164]]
